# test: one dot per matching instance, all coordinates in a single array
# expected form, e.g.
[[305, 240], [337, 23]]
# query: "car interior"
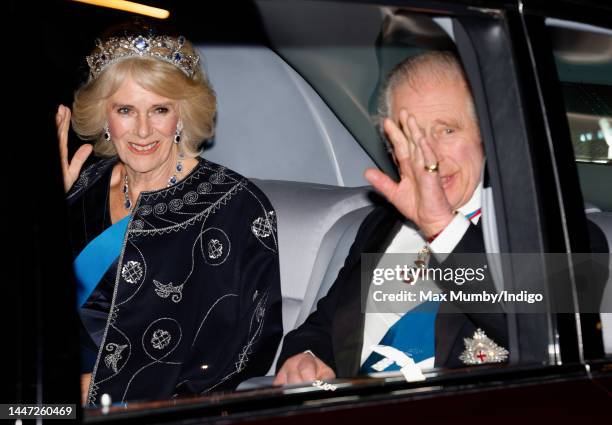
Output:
[[306, 160], [297, 115], [309, 161]]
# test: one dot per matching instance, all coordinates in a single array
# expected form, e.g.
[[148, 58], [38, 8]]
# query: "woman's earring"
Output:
[[177, 134], [107, 135]]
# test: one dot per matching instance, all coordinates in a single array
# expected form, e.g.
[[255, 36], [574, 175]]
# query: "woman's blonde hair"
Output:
[[196, 100]]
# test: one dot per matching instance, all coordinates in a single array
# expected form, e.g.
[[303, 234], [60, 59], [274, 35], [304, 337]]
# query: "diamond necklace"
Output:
[[172, 180]]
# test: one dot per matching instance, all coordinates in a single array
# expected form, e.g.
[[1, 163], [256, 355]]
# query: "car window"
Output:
[[583, 56], [329, 61]]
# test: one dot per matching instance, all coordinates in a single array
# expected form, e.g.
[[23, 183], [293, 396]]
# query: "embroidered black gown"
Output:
[[194, 297]]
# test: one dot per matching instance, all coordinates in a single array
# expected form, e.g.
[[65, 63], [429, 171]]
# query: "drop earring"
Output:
[[107, 135], [178, 133]]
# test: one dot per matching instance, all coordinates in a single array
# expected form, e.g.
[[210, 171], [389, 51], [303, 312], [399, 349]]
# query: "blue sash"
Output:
[[414, 334], [94, 260]]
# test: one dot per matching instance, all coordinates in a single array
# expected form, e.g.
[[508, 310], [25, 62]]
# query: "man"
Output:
[[428, 115]]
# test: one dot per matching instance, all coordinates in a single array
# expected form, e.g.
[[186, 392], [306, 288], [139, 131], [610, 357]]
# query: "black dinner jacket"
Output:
[[334, 332]]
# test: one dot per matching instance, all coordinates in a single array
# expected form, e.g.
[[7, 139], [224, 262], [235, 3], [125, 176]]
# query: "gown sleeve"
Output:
[[249, 345]]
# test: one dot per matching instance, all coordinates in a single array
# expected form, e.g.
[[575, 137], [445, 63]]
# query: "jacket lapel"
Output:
[[449, 323], [349, 320]]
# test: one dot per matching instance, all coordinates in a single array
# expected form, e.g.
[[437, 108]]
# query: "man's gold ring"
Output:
[[432, 168]]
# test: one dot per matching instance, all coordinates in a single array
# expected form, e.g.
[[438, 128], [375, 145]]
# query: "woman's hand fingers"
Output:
[[79, 158], [70, 169], [61, 118], [62, 122]]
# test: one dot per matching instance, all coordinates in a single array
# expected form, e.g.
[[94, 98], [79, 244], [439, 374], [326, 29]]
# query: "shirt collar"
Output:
[[474, 203]]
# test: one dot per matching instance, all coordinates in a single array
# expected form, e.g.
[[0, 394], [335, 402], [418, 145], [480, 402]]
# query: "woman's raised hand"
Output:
[[70, 170]]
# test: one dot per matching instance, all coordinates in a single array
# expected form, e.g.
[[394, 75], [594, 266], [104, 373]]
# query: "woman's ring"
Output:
[[432, 168]]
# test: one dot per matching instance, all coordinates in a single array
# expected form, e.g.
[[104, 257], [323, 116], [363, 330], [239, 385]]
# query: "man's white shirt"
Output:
[[409, 240]]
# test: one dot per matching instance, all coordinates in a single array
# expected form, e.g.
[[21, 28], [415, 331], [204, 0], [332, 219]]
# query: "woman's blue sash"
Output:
[[94, 260]]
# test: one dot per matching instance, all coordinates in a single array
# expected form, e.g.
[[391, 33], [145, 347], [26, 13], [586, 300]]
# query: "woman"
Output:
[[175, 257]]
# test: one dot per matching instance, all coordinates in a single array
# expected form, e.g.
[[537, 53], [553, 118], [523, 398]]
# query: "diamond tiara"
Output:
[[163, 47]]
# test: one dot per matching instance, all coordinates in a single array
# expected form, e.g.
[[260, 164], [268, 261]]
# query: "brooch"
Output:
[[480, 349]]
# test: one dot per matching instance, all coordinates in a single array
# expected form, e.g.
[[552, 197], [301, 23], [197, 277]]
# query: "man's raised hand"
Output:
[[419, 194]]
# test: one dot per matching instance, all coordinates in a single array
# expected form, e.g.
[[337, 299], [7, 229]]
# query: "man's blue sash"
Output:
[[94, 260], [414, 334]]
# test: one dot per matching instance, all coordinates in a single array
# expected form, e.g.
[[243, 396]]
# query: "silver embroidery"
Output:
[[131, 271], [243, 358], [176, 333], [89, 175], [175, 205], [114, 313], [111, 360], [204, 188], [207, 313], [215, 246], [160, 339], [137, 225], [84, 179], [189, 180], [212, 209], [145, 210], [93, 392], [190, 198], [162, 335], [160, 208], [254, 334], [157, 357], [165, 290], [263, 227], [218, 177], [215, 249], [272, 217], [260, 312], [136, 287], [270, 243]]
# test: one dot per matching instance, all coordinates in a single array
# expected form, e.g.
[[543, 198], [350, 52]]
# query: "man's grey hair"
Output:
[[433, 65]]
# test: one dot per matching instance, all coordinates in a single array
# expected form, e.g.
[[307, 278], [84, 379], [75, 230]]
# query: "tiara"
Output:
[[163, 47]]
